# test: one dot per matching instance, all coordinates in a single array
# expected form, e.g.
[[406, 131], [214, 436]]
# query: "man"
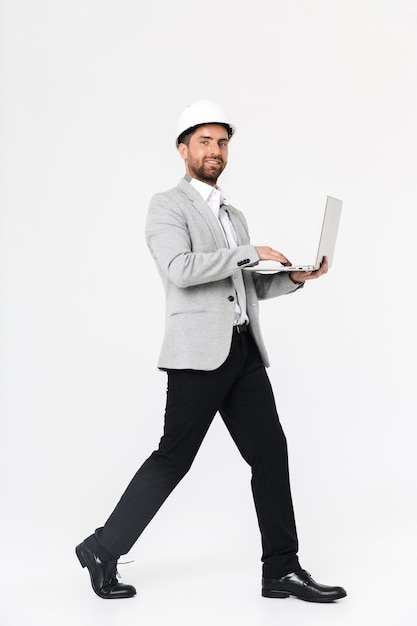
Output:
[[215, 360]]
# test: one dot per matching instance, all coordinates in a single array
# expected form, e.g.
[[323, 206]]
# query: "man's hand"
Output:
[[269, 254], [300, 277]]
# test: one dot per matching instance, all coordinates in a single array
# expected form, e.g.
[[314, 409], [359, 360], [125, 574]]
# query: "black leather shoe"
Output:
[[103, 575], [302, 586]]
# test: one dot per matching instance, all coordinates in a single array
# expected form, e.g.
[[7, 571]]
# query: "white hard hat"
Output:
[[203, 112]]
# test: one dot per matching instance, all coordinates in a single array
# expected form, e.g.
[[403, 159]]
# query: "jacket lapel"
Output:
[[204, 210]]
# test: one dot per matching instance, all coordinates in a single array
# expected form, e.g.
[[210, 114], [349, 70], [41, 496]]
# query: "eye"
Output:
[[204, 142]]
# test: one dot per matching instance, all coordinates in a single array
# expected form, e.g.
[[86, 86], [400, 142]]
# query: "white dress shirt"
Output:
[[218, 202]]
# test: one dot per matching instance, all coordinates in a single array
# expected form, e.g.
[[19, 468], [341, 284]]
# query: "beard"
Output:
[[206, 172]]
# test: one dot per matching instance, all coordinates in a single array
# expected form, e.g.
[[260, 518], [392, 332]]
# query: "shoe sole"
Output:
[[80, 555], [271, 593], [267, 593]]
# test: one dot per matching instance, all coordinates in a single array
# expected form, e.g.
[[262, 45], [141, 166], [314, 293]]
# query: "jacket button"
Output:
[[231, 298]]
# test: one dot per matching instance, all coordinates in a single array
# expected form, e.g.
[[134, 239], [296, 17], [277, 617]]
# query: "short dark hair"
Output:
[[187, 134]]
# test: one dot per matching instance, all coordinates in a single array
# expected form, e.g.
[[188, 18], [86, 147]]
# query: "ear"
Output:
[[183, 150]]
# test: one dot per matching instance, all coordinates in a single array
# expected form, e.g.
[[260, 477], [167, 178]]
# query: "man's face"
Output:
[[206, 156]]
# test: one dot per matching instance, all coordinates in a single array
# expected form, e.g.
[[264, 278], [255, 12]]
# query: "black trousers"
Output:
[[240, 390]]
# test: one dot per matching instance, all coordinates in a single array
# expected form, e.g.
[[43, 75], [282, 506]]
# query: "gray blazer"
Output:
[[196, 269]]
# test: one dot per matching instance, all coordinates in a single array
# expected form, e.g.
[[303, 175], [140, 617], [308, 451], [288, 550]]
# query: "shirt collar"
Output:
[[209, 194]]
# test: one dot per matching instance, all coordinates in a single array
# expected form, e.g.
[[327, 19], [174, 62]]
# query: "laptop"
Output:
[[326, 245]]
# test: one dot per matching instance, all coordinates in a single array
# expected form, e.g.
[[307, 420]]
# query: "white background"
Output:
[[324, 97]]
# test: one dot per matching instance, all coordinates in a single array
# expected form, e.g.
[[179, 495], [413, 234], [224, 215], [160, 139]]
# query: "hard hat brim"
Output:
[[231, 129]]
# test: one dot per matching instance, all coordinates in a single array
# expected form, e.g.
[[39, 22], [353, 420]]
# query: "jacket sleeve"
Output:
[[274, 285], [170, 242]]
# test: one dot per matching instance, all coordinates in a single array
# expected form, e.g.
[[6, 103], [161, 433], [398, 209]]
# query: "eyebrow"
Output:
[[209, 137]]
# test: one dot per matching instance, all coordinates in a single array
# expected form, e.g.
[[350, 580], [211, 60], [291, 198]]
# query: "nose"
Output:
[[215, 150]]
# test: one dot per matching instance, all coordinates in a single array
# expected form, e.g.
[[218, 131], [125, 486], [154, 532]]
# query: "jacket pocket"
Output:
[[188, 312]]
